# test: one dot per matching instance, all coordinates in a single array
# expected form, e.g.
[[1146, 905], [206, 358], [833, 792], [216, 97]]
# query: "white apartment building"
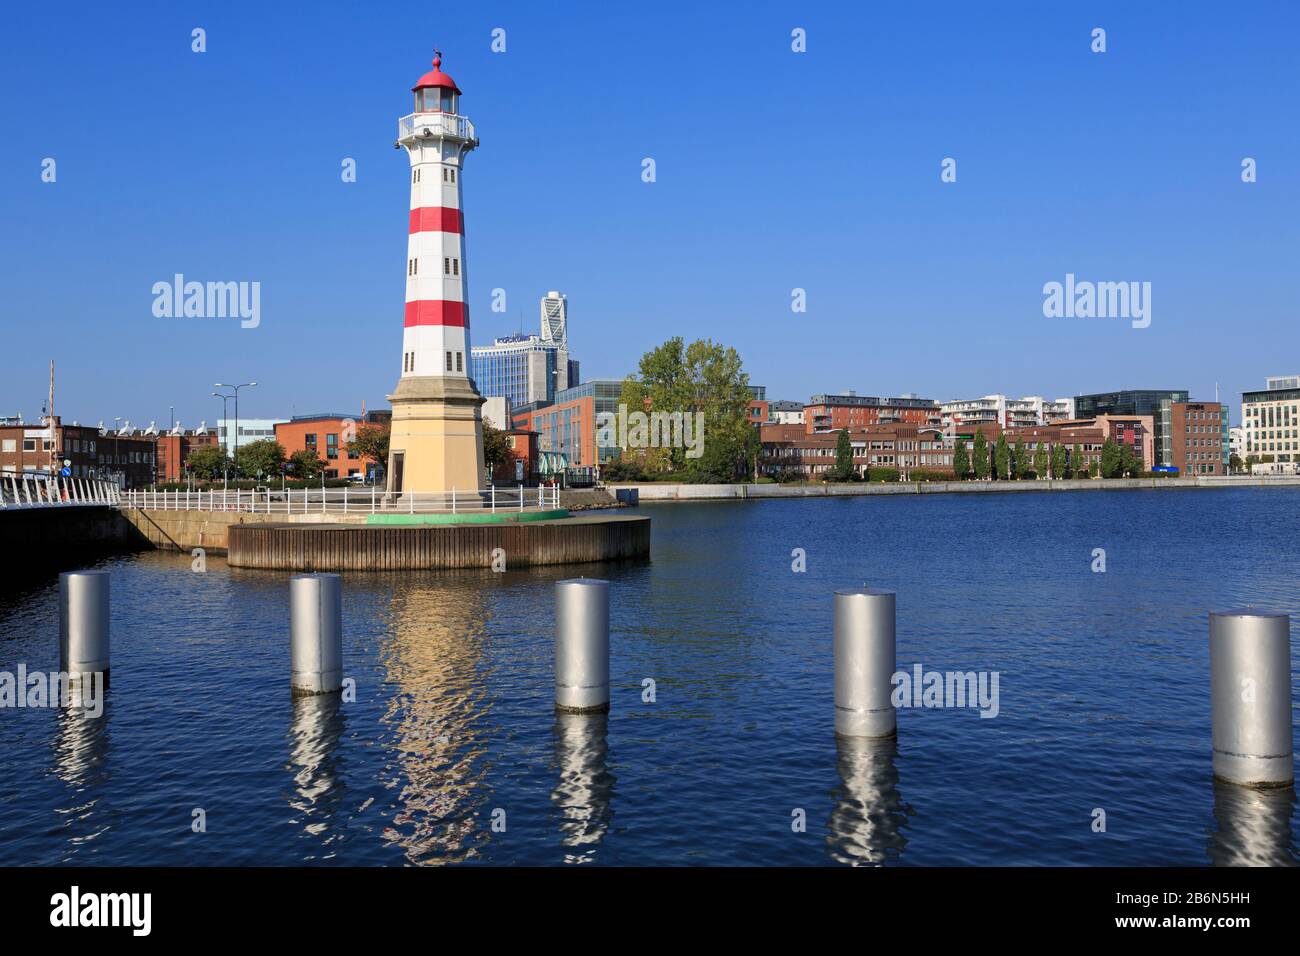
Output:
[[1007, 412], [785, 413], [1270, 421]]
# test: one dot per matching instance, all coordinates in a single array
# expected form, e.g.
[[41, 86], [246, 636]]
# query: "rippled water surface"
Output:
[[1104, 700]]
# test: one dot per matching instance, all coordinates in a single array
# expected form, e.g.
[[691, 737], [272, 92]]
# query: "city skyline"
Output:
[[1083, 171]]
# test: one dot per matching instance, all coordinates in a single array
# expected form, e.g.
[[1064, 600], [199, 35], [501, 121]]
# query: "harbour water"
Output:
[[451, 751]]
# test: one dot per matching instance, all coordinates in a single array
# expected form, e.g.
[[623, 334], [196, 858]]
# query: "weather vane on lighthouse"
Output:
[[436, 442]]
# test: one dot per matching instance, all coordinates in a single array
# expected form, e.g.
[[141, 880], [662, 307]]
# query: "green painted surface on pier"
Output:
[[489, 517]]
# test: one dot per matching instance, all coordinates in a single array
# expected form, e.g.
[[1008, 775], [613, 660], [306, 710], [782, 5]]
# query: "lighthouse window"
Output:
[[459, 361], [446, 101], [446, 266], [453, 175], [444, 174], [448, 361]]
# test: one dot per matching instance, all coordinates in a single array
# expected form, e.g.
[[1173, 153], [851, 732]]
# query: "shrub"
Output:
[[622, 471], [930, 474]]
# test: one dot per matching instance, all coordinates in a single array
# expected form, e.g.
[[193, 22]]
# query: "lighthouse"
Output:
[[436, 442]]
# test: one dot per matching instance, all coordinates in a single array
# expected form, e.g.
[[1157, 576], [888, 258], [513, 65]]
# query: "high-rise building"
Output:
[[1270, 420], [526, 369], [555, 320], [1147, 401]]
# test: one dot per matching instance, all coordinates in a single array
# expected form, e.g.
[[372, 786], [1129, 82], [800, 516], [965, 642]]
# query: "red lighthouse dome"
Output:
[[436, 77]]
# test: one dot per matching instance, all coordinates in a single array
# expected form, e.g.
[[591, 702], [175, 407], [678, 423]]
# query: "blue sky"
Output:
[[775, 170]]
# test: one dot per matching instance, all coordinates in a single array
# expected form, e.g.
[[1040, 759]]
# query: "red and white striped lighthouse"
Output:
[[436, 442], [436, 138]]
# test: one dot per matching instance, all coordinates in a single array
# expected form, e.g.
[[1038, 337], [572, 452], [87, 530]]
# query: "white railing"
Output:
[[438, 124], [39, 491], [371, 500]]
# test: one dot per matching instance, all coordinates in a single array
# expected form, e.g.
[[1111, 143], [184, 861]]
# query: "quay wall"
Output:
[[42, 538], [187, 530], [351, 547], [653, 491]]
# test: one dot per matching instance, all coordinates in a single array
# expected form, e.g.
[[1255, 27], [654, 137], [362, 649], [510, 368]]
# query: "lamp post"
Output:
[[236, 388], [117, 466], [225, 423]]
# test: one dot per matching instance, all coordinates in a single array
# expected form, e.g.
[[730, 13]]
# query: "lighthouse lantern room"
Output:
[[436, 443]]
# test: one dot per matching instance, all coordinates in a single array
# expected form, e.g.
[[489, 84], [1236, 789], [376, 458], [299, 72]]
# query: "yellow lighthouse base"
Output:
[[436, 442]]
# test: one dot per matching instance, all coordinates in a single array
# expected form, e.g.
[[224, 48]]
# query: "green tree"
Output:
[[1094, 468], [843, 470], [981, 456], [371, 442], [1040, 461], [259, 458], [1128, 461], [960, 459], [1019, 459], [1002, 457], [1110, 458], [307, 465], [704, 385], [497, 452], [1234, 464], [1058, 461], [1078, 463], [208, 461]]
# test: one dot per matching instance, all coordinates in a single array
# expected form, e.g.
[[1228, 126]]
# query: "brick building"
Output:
[[32, 449], [1136, 431], [790, 449], [523, 451], [173, 452], [830, 413], [328, 436], [1198, 437]]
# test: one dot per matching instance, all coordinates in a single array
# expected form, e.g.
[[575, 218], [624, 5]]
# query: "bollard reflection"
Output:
[[316, 763], [866, 824], [1252, 827], [585, 786], [81, 750]]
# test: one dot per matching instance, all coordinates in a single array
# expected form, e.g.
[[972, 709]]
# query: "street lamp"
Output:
[[236, 388], [225, 423], [116, 464]]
